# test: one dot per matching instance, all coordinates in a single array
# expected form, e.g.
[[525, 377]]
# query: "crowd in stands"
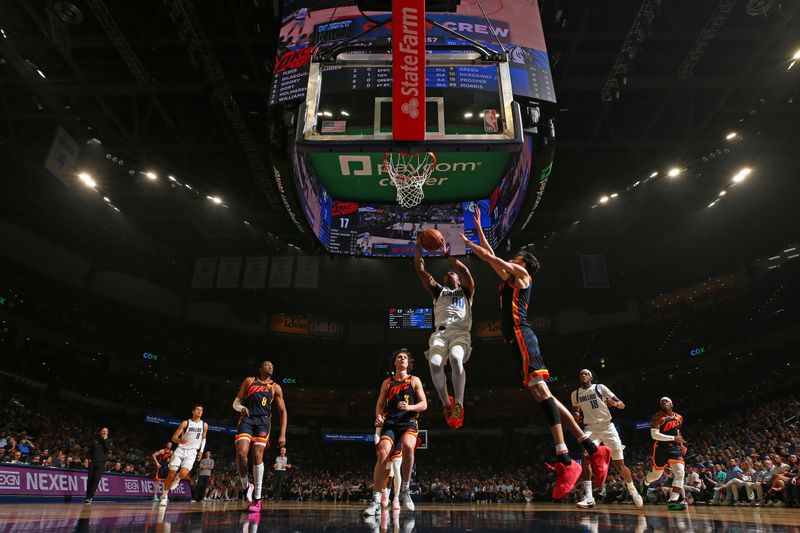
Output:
[[737, 459]]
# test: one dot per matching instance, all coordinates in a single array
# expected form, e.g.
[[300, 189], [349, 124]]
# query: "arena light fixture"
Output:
[[188, 186], [614, 195], [603, 199], [171, 178], [731, 135], [654, 174], [673, 172], [468, 115], [87, 180], [216, 199], [722, 193], [712, 204], [741, 175], [796, 56], [151, 175], [107, 199]]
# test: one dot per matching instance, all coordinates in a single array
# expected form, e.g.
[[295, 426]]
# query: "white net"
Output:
[[408, 172]]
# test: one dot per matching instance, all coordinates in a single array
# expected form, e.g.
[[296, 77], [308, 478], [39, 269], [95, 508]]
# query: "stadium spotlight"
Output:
[[654, 174], [722, 193], [107, 199], [151, 175], [171, 178], [673, 172], [614, 195], [87, 180], [604, 199], [731, 135], [216, 199], [741, 175], [468, 114], [712, 204]]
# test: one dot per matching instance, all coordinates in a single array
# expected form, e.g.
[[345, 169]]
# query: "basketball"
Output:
[[431, 239]]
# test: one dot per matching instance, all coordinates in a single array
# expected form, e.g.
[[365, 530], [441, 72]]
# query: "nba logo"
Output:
[[490, 121]]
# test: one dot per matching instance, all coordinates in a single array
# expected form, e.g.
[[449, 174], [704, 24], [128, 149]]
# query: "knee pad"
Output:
[[653, 475], [679, 471], [436, 358], [457, 353], [550, 410]]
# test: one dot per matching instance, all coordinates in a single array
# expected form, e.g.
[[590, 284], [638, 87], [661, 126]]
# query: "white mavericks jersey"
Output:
[[593, 404], [452, 308], [193, 434]]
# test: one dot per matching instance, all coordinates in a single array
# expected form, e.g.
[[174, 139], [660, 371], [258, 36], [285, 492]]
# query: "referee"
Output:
[[281, 466]]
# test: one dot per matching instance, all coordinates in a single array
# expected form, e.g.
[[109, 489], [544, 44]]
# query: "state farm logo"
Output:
[[131, 485], [9, 480], [411, 108], [408, 43]]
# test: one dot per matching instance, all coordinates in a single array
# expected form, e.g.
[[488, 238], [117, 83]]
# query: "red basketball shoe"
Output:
[[566, 477], [600, 461]]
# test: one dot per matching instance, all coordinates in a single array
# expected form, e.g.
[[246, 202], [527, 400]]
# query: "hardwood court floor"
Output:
[[302, 517]]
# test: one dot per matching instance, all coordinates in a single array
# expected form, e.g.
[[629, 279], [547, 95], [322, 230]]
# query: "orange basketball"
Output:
[[431, 239]]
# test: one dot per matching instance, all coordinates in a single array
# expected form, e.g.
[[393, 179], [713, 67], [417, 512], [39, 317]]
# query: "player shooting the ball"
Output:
[[452, 315]]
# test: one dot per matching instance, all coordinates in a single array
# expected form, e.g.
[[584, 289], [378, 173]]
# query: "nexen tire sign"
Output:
[[408, 70]]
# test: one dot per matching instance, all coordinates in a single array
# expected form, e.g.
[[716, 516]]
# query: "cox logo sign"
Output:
[[289, 381], [694, 352], [150, 356]]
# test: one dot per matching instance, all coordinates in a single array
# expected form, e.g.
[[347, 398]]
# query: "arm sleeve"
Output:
[[237, 405], [657, 435], [574, 397]]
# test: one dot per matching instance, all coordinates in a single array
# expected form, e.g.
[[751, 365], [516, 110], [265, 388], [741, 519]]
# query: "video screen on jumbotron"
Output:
[[347, 198], [389, 230], [516, 24]]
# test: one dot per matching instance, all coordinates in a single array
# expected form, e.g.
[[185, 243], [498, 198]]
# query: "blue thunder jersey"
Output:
[[670, 425], [513, 308], [400, 391], [258, 398]]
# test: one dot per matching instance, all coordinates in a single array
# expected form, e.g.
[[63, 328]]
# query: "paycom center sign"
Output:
[[456, 175]]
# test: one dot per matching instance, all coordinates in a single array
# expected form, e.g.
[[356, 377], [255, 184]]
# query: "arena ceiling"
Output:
[[180, 87]]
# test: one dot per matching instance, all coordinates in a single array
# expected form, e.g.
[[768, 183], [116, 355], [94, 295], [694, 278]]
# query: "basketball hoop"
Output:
[[408, 172]]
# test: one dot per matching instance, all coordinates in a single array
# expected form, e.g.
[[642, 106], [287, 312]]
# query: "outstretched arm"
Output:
[[476, 218], [419, 265], [519, 276]]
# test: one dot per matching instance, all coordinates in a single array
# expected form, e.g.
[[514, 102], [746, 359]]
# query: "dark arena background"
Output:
[[191, 188]]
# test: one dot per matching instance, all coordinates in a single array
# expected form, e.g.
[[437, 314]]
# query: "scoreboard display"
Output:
[[410, 318]]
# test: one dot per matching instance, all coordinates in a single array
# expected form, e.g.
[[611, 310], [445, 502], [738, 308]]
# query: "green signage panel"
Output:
[[457, 175]]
